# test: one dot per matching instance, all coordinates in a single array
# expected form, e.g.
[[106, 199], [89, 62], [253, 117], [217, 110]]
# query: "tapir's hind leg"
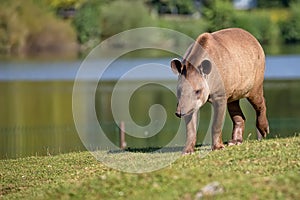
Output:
[[238, 120], [258, 102]]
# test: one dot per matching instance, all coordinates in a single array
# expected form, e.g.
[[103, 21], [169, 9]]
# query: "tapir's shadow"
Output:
[[155, 149]]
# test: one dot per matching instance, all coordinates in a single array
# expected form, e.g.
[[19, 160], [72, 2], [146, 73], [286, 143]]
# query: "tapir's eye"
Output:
[[197, 92]]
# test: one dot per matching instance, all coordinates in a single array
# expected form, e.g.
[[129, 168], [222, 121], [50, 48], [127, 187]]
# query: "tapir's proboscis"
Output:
[[221, 68]]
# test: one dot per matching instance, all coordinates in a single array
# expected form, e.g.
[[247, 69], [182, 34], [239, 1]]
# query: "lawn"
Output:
[[269, 169]]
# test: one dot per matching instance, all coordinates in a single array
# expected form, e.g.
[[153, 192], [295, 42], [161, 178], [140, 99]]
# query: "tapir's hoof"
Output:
[[262, 133], [188, 151], [218, 147], [231, 142], [235, 142]]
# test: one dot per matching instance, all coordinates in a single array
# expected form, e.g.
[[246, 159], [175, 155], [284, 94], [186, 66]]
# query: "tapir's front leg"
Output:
[[191, 132], [218, 121]]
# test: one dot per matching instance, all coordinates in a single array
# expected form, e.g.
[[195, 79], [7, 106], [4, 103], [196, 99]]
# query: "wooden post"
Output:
[[122, 135]]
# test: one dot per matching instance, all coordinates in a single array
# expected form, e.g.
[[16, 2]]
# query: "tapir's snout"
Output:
[[178, 112], [183, 111]]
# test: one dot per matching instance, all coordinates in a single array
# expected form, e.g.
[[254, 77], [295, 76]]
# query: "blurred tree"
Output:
[[290, 28], [57, 4], [30, 28], [183, 7], [65, 8], [273, 3], [121, 15], [219, 14], [260, 25], [87, 22]]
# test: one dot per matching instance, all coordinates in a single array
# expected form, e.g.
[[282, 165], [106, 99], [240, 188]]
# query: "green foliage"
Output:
[[290, 28], [12, 29], [27, 27], [87, 22], [120, 15], [189, 26], [65, 3], [219, 14], [23, 30], [273, 3], [259, 24], [184, 6], [173, 6]]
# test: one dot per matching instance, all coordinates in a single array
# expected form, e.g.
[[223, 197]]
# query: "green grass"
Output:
[[269, 169]]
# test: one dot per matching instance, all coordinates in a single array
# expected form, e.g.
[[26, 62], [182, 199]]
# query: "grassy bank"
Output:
[[255, 170]]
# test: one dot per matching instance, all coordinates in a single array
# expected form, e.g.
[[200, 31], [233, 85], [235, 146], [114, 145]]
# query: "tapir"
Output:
[[221, 68]]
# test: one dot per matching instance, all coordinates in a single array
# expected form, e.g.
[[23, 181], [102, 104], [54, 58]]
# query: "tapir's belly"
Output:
[[237, 94]]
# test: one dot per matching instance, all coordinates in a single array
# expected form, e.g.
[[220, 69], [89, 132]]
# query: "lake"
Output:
[[36, 104]]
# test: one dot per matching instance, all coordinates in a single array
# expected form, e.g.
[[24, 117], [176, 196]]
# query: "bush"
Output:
[[189, 26], [53, 39], [290, 28], [273, 3], [258, 24], [122, 15], [87, 22], [219, 14], [13, 31], [29, 28], [183, 7]]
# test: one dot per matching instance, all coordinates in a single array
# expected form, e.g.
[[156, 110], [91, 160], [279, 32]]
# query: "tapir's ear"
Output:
[[176, 66], [205, 67]]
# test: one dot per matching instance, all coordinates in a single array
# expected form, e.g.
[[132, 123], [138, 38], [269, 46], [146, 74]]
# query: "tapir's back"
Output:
[[239, 58]]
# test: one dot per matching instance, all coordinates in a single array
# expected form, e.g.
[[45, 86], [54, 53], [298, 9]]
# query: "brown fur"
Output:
[[238, 69]]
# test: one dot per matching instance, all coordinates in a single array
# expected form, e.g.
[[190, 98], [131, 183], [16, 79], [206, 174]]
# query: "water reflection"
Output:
[[36, 116]]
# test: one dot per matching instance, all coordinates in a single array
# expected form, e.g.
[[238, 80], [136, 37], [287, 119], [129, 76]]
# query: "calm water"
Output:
[[36, 105]]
